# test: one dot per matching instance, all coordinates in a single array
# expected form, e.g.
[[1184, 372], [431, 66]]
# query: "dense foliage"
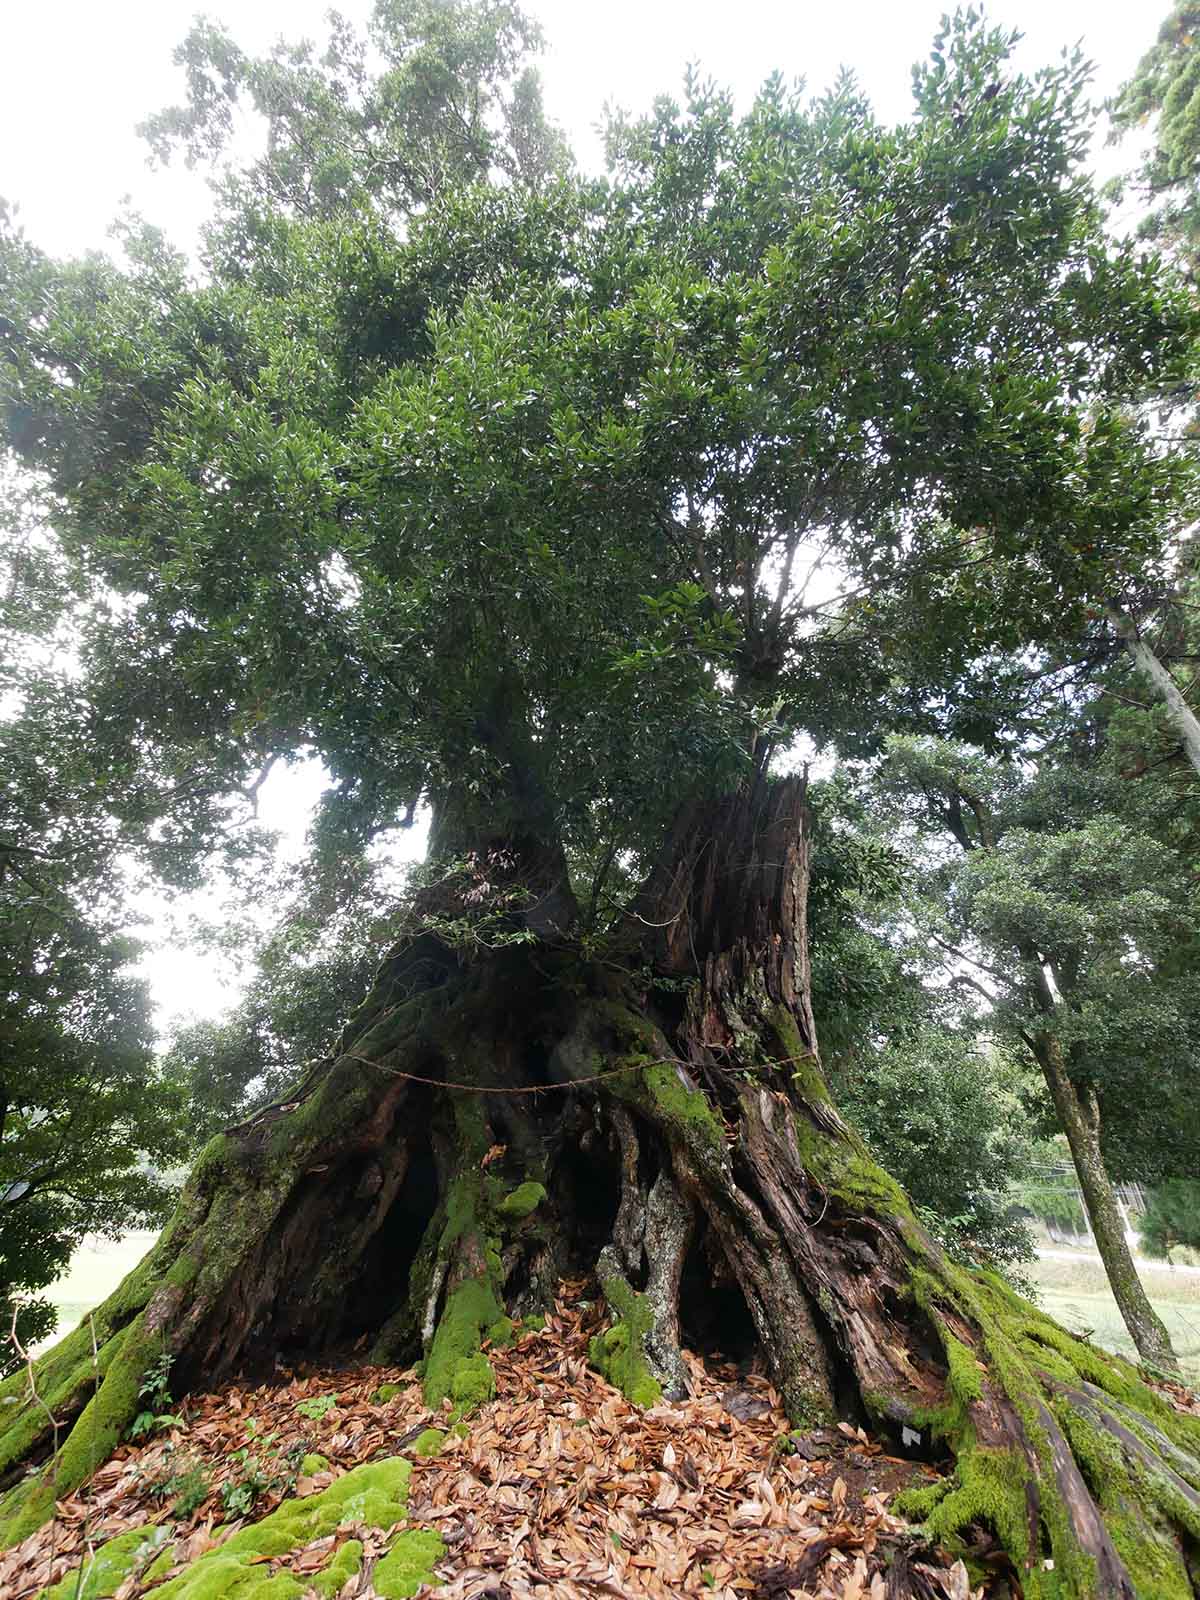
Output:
[[85, 1115], [1172, 1217]]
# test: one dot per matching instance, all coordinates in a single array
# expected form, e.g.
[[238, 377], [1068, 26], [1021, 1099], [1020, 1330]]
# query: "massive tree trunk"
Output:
[[499, 1117]]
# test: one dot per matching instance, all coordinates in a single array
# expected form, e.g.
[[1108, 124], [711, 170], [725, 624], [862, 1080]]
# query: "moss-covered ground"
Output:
[[252, 1563], [555, 1425]]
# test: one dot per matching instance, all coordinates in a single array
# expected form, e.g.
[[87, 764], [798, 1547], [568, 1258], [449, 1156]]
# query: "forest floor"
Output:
[[557, 1487]]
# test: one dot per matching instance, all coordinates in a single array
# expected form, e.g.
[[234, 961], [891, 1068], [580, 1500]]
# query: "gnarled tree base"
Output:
[[488, 1129]]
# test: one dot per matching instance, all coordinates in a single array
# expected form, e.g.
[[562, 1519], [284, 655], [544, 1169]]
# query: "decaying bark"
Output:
[[659, 1119]]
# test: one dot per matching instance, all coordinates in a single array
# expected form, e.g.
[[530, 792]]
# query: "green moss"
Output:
[[989, 1487], [643, 1078], [966, 1380], [801, 1065], [463, 1205], [917, 1503], [96, 1433], [523, 1200], [386, 1392], [472, 1385], [375, 1494], [313, 1463], [1143, 1510], [160, 1566], [1140, 1511], [103, 1573], [685, 1106], [501, 1332], [841, 1163], [64, 1375], [408, 1564], [619, 1353], [455, 1368], [429, 1443], [534, 1324], [345, 1565]]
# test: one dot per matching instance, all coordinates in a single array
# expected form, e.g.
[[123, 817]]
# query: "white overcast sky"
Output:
[[76, 77]]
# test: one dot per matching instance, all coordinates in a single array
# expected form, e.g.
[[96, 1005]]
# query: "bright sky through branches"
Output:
[[76, 77]]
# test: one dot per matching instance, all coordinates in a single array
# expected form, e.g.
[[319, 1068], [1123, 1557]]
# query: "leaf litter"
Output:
[[558, 1487]]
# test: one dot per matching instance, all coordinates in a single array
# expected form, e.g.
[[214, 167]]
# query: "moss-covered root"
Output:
[[1090, 1480], [482, 1224], [456, 1368], [621, 1352], [640, 1353], [253, 1564], [113, 1377]]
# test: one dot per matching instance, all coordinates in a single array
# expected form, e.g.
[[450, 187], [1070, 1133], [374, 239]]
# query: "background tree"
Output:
[[1079, 928], [434, 95], [941, 1106], [1172, 1217], [1164, 94], [85, 1114]]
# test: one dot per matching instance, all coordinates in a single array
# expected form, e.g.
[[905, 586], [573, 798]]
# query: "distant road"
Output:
[[1089, 1258]]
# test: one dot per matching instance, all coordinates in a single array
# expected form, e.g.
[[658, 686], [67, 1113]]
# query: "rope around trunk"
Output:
[[545, 1088]]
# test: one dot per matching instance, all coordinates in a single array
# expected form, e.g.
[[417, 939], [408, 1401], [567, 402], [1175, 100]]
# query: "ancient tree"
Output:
[[509, 503]]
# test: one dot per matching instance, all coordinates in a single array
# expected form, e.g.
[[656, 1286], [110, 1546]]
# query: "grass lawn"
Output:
[[96, 1269], [1076, 1293]]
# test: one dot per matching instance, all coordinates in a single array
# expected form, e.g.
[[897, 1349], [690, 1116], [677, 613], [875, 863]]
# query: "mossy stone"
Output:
[[375, 1494], [344, 1566]]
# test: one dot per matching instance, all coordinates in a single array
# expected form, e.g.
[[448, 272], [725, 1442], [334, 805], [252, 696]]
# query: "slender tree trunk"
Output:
[[1185, 721], [1079, 1115], [497, 1119]]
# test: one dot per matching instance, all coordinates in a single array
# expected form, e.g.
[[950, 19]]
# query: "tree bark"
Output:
[[1079, 1116], [496, 1119], [1186, 723]]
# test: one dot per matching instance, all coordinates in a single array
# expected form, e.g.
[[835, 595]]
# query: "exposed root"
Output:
[[669, 1223]]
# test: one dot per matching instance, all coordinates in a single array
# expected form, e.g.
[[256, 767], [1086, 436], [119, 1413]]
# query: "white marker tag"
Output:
[[910, 1436]]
